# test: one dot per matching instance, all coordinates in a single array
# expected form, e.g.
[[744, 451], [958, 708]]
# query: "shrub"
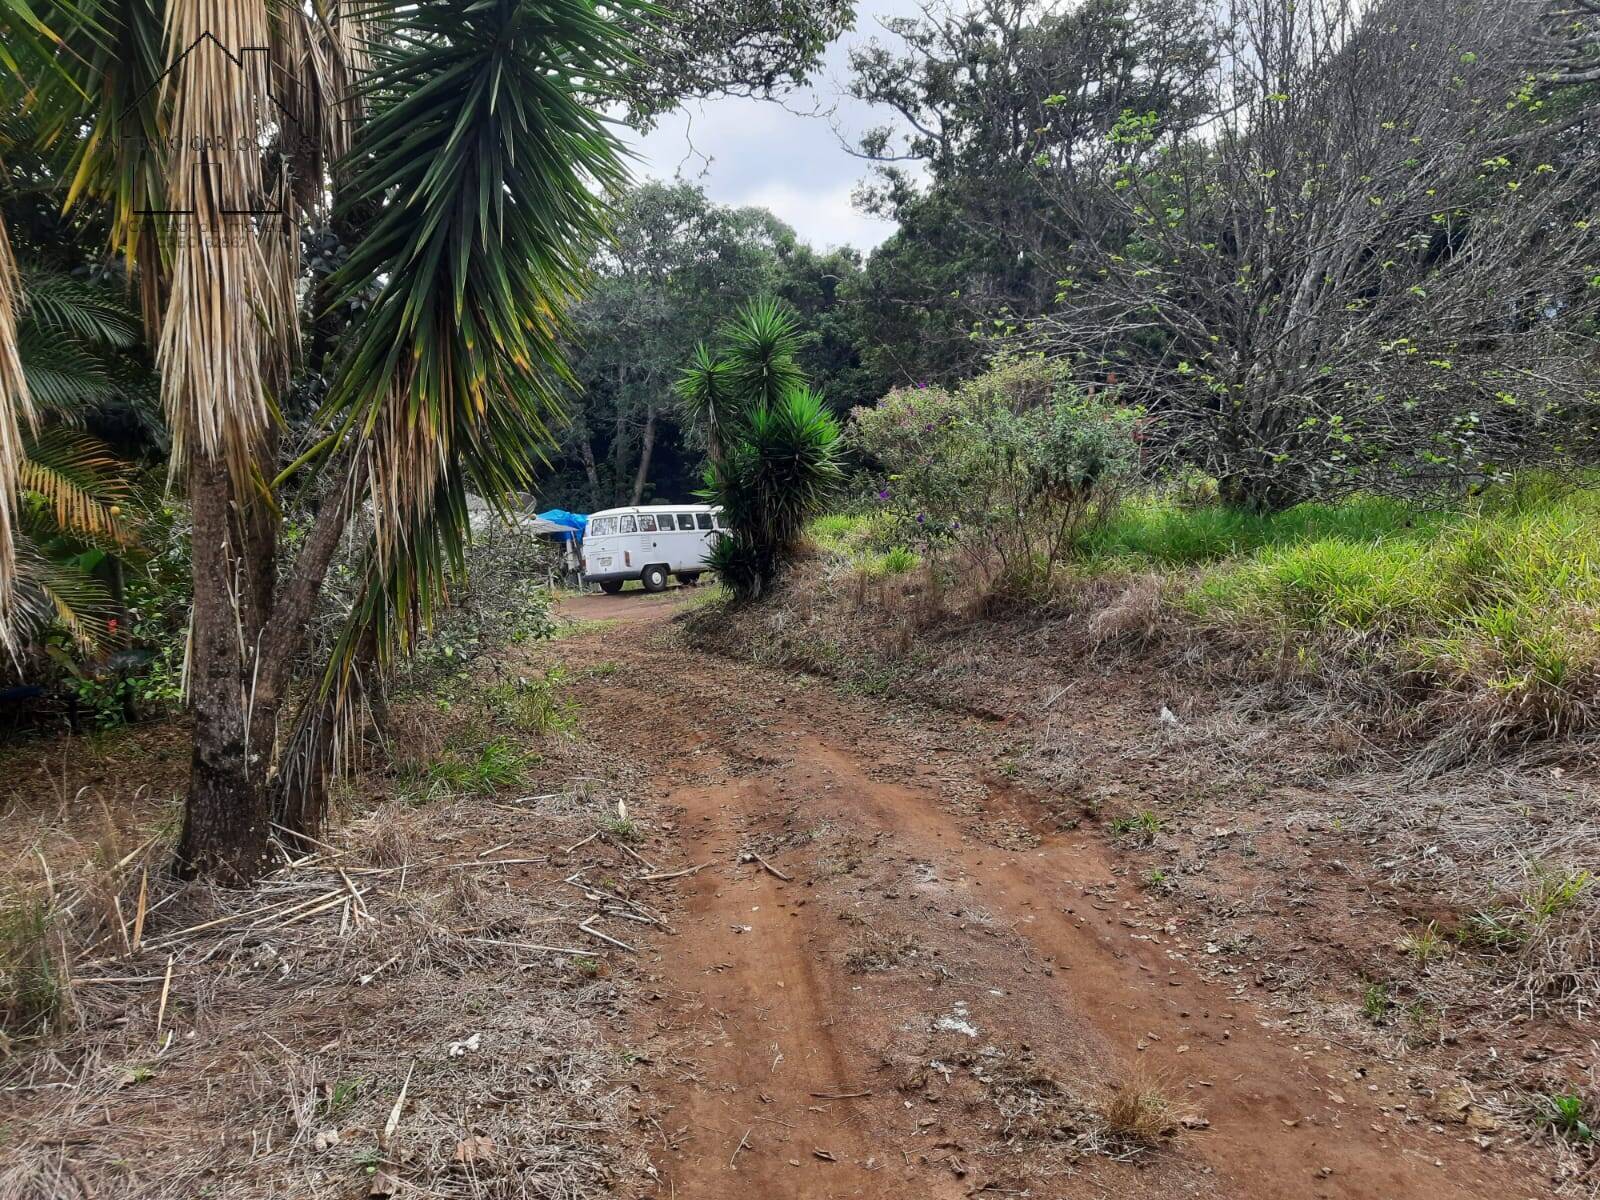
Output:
[[1013, 469]]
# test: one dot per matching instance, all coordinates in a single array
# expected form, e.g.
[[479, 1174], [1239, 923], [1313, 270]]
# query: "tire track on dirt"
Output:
[[760, 1012]]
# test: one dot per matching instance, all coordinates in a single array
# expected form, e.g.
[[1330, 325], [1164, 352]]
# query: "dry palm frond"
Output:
[[228, 334], [78, 478], [15, 411]]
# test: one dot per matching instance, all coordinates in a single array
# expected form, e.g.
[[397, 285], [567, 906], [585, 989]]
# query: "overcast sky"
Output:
[[780, 156]]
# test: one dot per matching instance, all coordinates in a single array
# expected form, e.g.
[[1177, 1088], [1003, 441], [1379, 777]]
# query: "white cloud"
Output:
[[786, 157]]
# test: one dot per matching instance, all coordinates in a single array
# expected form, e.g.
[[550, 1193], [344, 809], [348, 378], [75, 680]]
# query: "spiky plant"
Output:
[[779, 462]]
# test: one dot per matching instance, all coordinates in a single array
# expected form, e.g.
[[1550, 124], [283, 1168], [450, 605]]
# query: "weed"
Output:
[[340, 1096], [1377, 1002], [496, 764], [1141, 827], [1159, 880], [1137, 1111], [589, 968], [621, 829], [1566, 1113], [32, 977], [1425, 945], [1489, 931], [1554, 891], [533, 705]]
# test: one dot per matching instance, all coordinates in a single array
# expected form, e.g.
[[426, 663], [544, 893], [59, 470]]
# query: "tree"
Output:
[[979, 97], [774, 458], [1371, 261], [673, 263]]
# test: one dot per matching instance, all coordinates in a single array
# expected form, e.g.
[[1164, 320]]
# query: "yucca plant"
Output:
[[777, 462]]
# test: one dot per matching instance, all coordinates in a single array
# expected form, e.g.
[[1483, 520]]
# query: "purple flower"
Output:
[[883, 493], [920, 518]]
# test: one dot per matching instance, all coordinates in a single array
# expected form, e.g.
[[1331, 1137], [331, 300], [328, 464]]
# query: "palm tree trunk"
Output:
[[225, 822]]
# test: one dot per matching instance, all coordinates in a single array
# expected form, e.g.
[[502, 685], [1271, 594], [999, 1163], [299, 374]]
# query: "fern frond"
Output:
[[79, 478]]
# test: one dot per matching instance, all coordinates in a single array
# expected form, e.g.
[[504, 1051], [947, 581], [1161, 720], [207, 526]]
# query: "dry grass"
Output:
[[1138, 1111], [393, 958]]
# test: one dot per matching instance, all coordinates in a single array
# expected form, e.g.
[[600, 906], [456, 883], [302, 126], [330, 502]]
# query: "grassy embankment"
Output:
[[1496, 601]]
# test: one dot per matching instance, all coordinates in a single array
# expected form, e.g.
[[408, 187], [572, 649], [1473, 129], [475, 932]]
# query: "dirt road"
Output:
[[922, 987]]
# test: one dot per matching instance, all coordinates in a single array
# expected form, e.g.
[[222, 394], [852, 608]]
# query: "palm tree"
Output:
[[474, 170]]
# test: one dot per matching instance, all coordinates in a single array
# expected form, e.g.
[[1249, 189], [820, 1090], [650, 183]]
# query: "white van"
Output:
[[648, 543]]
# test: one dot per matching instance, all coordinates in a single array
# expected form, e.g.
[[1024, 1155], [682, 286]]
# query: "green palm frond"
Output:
[[51, 590], [80, 481], [706, 397], [489, 167], [103, 108], [64, 379], [59, 305]]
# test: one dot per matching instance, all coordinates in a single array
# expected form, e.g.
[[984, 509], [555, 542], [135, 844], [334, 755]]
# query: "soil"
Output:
[[904, 972]]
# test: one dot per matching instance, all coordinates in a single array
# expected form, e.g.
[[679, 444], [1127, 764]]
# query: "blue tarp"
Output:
[[576, 522]]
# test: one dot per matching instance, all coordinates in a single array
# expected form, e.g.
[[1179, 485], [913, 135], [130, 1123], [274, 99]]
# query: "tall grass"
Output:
[[1499, 601]]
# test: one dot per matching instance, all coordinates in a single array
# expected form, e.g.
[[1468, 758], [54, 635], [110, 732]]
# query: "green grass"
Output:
[[469, 771], [30, 973], [1158, 533], [533, 705], [1499, 597]]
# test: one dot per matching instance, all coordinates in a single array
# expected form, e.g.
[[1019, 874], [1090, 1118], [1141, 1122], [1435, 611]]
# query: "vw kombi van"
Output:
[[649, 543]]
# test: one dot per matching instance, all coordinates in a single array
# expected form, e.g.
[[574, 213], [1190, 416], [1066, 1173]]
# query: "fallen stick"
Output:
[[529, 946], [78, 980], [339, 897], [605, 937], [839, 1095], [166, 990], [306, 837], [740, 1146], [660, 875], [774, 870], [493, 849], [496, 862], [576, 845], [361, 905], [643, 862]]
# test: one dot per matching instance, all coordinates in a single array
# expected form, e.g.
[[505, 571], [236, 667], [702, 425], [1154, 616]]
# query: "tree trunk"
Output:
[[225, 822], [586, 452], [646, 450]]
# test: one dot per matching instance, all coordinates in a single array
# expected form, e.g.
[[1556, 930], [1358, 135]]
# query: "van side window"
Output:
[[716, 519], [702, 520], [626, 525], [685, 521], [647, 523], [602, 526]]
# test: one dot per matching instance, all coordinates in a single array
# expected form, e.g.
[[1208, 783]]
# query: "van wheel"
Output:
[[611, 586], [689, 578], [654, 579]]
